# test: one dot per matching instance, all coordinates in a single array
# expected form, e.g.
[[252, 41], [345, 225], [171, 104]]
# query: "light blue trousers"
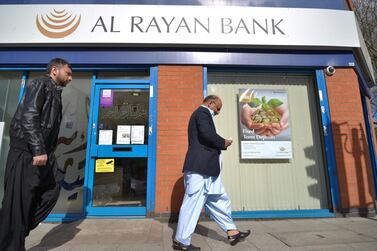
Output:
[[203, 191]]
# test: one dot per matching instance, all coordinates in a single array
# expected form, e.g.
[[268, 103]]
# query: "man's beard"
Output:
[[61, 82]]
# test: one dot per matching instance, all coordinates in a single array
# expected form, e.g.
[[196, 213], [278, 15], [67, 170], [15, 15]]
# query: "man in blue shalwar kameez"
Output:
[[203, 186]]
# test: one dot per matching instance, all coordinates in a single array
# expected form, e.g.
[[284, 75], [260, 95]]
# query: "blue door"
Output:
[[120, 138]]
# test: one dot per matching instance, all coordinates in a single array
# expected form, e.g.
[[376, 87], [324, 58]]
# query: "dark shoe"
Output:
[[234, 239], [179, 246]]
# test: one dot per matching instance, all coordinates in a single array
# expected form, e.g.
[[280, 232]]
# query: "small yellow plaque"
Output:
[[104, 165]]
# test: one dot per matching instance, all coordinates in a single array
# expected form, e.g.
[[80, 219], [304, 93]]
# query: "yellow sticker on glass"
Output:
[[104, 165]]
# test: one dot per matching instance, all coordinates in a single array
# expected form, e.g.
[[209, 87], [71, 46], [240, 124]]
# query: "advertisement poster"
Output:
[[264, 124], [106, 98]]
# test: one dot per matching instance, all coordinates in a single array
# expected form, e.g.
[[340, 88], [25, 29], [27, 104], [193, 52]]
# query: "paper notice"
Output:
[[105, 137], [124, 134], [137, 134]]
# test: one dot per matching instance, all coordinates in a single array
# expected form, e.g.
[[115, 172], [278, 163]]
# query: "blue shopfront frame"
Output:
[[261, 60], [104, 151]]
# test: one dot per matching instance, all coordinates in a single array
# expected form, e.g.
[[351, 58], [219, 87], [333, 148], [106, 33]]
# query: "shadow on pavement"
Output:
[[210, 233], [58, 236]]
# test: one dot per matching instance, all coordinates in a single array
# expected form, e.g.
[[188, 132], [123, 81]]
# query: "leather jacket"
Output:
[[37, 119]]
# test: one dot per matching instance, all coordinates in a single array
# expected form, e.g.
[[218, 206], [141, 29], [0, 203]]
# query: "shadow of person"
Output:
[[210, 233], [57, 236], [175, 204], [60, 234]]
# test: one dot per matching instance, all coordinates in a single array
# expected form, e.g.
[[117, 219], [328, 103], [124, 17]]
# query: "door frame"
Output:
[[117, 212]]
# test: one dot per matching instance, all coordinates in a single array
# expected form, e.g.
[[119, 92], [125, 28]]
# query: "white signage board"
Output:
[[173, 24]]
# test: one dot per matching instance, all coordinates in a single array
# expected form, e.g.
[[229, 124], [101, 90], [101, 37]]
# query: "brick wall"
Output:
[[179, 94], [351, 147]]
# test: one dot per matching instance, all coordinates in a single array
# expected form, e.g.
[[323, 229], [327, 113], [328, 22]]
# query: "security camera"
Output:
[[330, 70]]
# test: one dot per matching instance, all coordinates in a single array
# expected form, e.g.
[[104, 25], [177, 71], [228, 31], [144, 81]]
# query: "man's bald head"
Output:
[[214, 103]]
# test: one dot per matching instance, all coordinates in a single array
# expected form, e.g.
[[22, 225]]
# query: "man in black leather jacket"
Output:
[[31, 186]]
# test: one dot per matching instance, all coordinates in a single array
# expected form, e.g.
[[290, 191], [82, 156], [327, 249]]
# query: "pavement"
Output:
[[354, 233]]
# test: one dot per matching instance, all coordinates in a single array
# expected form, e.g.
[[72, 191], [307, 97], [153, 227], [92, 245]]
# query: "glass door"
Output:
[[119, 151]]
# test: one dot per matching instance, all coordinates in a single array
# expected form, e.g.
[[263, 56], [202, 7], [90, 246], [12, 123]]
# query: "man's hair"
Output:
[[58, 63], [210, 98]]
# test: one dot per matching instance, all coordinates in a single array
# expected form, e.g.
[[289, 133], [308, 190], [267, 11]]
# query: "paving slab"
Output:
[[341, 234], [300, 239], [266, 241]]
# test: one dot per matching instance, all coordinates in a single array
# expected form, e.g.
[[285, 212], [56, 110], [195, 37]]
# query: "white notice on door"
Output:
[[137, 134], [105, 137], [124, 134]]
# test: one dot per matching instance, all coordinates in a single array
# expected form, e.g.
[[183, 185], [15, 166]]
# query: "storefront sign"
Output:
[[174, 24], [264, 124], [104, 165]]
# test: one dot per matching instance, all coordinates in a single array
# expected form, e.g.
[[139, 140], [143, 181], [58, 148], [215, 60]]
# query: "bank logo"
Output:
[[57, 24]]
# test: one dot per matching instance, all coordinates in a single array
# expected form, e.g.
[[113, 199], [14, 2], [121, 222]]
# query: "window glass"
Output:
[[271, 183], [71, 148], [10, 83]]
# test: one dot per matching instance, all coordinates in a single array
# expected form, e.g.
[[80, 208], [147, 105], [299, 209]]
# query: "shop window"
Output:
[[71, 149], [10, 83], [258, 178]]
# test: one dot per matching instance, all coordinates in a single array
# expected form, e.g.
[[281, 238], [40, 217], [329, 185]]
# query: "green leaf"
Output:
[[264, 99], [255, 102], [274, 102], [265, 106]]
